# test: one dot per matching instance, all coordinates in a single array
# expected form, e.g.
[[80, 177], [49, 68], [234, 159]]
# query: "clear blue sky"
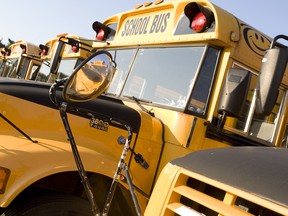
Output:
[[38, 21]]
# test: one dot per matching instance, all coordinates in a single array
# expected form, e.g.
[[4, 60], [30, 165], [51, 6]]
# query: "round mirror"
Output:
[[90, 79]]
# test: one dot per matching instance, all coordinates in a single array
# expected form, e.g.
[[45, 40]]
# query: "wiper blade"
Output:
[[138, 100], [109, 94]]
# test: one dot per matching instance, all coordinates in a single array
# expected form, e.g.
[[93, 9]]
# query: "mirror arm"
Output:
[[274, 43], [53, 88]]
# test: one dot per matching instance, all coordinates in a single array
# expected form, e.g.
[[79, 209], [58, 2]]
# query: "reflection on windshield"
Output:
[[164, 76]]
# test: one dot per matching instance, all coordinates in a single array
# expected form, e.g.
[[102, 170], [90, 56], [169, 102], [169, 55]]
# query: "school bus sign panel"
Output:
[[151, 25]]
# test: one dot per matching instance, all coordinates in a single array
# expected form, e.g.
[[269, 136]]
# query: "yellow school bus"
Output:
[[185, 80], [20, 60], [75, 49]]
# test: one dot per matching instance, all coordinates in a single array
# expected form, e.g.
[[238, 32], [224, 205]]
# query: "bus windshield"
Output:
[[10, 68], [43, 72], [65, 69], [165, 75], [2, 63]]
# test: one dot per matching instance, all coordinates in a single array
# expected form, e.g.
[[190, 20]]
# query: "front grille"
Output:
[[193, 194]]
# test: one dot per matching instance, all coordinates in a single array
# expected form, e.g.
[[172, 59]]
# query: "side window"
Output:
[[263, 127], [203, 85], [252, 124]]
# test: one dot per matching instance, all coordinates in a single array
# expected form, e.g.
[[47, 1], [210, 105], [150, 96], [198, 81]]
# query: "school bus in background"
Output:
[[75, 50], [20, 60], [186, 80]]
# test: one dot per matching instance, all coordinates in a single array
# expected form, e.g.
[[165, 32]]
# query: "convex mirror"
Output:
[[90, 78], [272, 71]]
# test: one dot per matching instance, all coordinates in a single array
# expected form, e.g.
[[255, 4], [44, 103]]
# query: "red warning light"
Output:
[[199, 23], [101, 35]]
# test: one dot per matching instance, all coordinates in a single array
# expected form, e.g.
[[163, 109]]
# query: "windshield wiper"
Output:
[[109, 94], [138, 102]]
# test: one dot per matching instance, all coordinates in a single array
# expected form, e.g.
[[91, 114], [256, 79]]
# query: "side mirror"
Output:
[[90, 79], [271, 74], [234, 92], [57, 56]]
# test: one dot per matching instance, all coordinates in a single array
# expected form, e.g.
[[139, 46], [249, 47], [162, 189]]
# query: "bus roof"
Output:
[[67, 52], [165, 22], [30, 49]]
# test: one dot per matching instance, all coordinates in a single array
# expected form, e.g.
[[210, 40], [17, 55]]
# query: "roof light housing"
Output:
[[44, 49], [6, 52], [103, 32], [23, 47], [200, 17], [74, 45]]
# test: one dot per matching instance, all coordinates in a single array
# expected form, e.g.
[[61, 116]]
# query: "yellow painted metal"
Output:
[[171, 185]]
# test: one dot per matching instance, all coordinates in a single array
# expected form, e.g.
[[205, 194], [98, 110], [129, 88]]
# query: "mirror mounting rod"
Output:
[[122, 166], [84, 179], [81, 170], [274, 41]]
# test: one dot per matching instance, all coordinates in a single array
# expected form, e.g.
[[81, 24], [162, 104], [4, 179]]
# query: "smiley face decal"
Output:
[[256, 41]]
